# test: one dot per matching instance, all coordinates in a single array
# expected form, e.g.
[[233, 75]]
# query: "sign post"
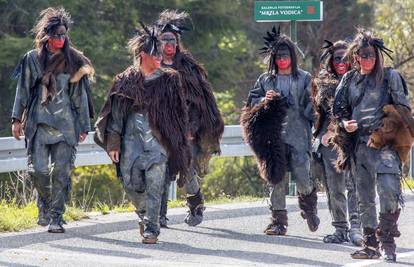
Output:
[[288, 11]]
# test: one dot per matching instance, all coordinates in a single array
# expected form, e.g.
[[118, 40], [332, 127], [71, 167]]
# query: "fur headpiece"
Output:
[[173, 21], [48, 20]]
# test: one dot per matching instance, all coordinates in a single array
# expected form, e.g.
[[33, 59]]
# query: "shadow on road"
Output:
[[91, 232]]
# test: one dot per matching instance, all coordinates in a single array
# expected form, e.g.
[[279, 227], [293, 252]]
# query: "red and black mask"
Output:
[[366, 57], [57, 38], [340, 62], [168, 44], [283, 58]]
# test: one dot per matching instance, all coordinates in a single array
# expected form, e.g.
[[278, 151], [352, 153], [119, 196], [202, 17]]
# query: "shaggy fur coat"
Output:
[[205, 122], [323, 92], [262, 130], [166, 108]]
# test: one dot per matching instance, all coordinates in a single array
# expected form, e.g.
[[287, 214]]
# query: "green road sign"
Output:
[[265, 11]]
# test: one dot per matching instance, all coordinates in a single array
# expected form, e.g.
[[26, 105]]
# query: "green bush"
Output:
[[232, 177], [95, 185]]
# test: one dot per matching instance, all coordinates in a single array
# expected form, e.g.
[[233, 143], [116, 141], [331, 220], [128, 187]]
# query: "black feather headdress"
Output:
[[365, 38], [273, 41], [327, 49], [145, 40]]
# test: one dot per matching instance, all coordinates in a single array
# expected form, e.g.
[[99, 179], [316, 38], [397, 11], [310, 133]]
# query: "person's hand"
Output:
[[326, 138], [17, 129], [114, 155], [350, 126], [270, 94], [82, 137]]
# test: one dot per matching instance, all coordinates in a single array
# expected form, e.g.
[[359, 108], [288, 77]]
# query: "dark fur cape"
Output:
[[202, 107], [166, 109], [323, 92], [262, 130]]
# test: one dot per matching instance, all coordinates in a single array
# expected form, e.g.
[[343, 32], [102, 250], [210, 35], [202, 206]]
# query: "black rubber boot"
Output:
[[279, 223], [43, 218], [150, 236], [371, 246], [56, 225], [196, 209], [163, 222], [338, 237], [355, 236], [308, 203], [386, 231]]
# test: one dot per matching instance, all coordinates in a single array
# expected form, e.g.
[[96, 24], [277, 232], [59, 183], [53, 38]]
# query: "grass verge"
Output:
[[14, 218]]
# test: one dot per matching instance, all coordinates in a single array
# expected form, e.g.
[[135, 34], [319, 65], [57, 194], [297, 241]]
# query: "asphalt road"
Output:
[[231, 235]]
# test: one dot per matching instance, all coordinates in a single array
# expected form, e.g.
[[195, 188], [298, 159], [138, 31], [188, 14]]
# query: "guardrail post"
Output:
[[172, 194]]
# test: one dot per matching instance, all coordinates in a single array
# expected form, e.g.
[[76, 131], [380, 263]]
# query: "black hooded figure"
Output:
[[205, 123], [360, 108], [53, 107], [277, 123]]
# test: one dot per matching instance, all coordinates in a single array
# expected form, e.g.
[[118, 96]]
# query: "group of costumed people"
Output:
[[160, 119], [350, 126]]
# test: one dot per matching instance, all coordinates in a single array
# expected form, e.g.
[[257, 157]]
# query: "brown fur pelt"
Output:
[[58, 63], [262, 130], [395, 131], [344, 144], [166, 108], [323, 92]]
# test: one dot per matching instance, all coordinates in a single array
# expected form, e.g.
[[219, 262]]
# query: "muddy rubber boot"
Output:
[[386, 232], [279, 223], [56, 225], [355, 236], [370, 246], [43, 218], [149, 237], [196, 207], [338, 237], [163, 222], [307, 204]]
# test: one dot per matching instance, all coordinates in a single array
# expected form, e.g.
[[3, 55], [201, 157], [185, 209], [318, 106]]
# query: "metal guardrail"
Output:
[[13, 155]]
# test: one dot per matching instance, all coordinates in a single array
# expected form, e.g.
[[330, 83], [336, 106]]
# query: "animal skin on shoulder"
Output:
[[394, 132]]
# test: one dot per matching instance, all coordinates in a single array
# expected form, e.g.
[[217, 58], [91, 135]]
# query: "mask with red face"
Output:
[[340, 62], [169, 49], [169, 44], [367, 64], [56, 44], [283, 63], [367, 59], [283, 59]]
